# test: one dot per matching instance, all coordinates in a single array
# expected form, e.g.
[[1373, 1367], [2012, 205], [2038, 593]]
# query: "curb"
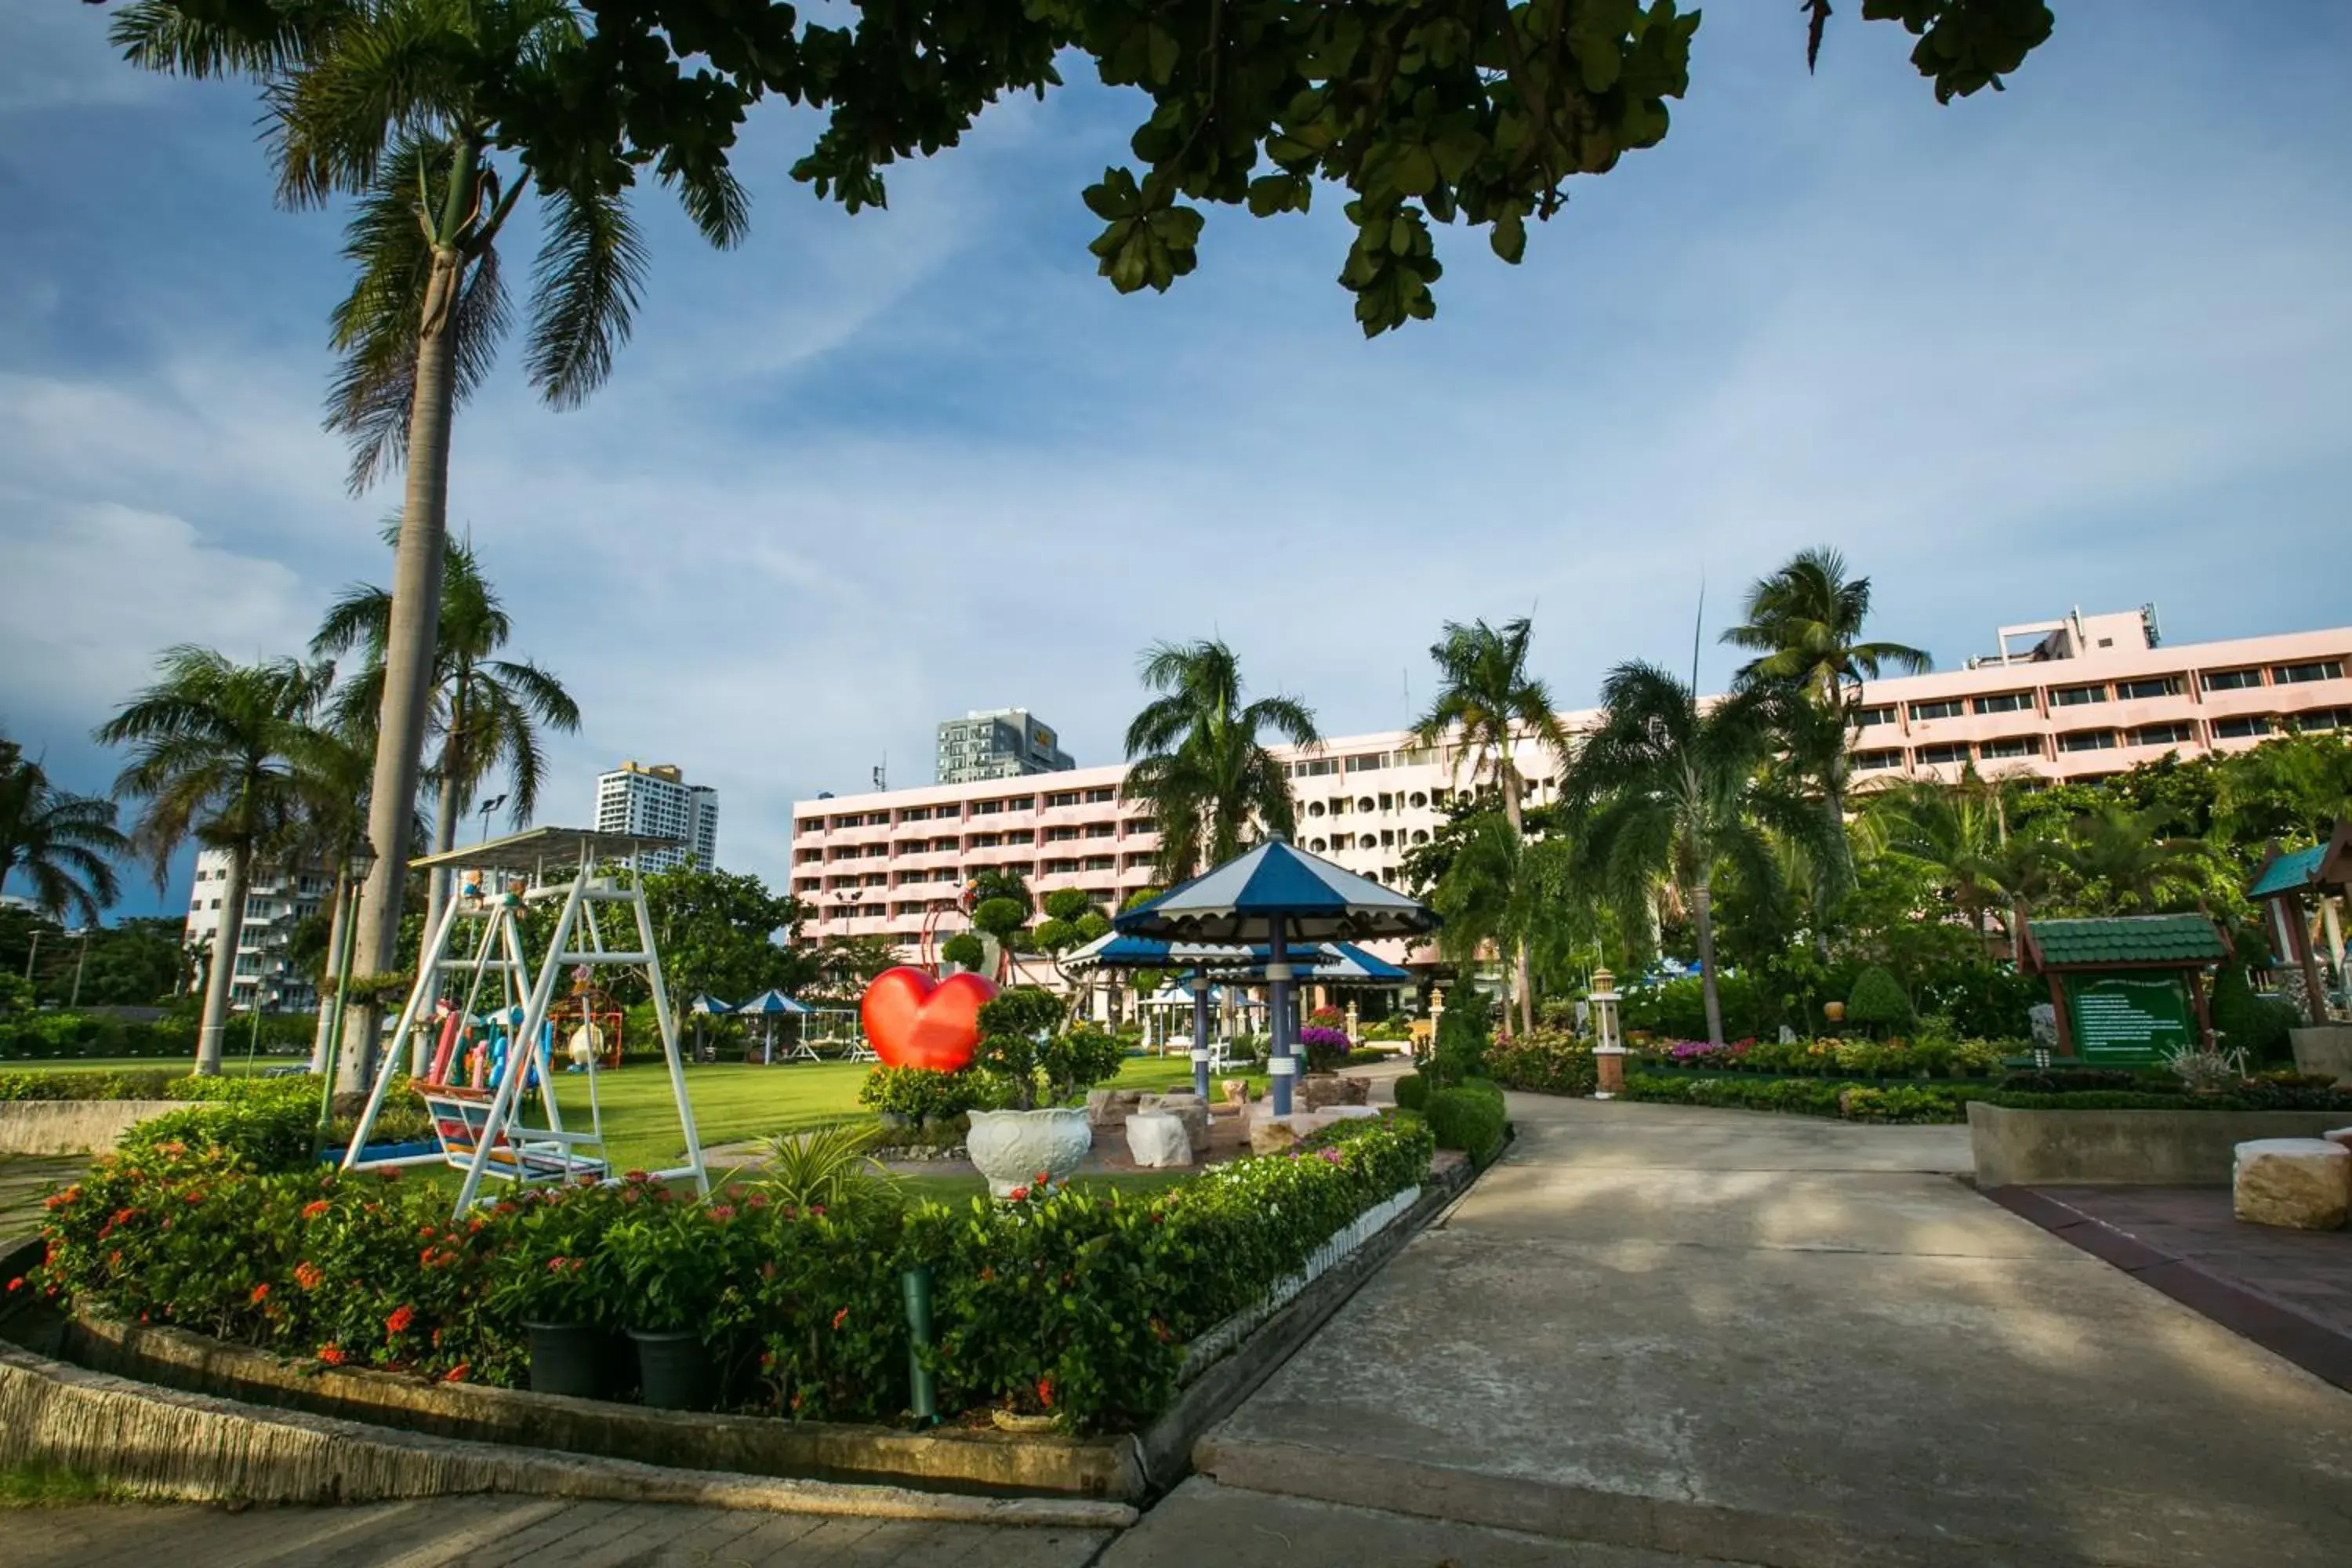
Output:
[[160, 1442], [2318, 1347]]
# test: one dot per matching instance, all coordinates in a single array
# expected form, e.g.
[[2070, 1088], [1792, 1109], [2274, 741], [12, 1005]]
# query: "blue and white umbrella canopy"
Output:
[[1278, 889], [775, 1004], [709, 1006], [1326, 963]]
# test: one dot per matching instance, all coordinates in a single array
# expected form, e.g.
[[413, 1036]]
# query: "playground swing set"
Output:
[[484, 1067]]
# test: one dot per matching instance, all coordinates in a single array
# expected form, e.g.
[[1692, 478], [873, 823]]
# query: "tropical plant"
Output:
[[1668, 793], [1805, 623], [1878, 1001], [824, 1168], [2125, 856], [213, 744], [1503, 891], [404, 109], [63, 843], [2296, 788], [1015, 1026], [487, 711], [333, 766], [1198, 760], [1954, 830], [1486, 706]]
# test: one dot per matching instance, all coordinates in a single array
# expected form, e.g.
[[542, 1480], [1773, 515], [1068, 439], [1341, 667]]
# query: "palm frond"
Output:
[[584, 288]]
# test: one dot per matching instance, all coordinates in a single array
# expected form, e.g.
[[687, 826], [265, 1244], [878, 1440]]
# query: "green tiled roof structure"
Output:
[[2289, 873], [2127, 939]]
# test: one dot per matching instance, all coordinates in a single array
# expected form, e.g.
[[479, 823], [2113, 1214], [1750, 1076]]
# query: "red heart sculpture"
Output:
[[915, 1021]]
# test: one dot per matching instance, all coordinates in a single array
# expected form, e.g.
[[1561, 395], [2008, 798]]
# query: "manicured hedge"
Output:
[[1544, 1061], [1950, 1101], [1413, 1092], [1469, 1117], [1073, 1301], [54, 1037]]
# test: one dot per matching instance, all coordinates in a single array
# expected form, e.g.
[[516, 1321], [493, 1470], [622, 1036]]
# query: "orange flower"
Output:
[[17, 1284], [1045, 1392], [402, 1316], [308, 1276], [260, 1294], [332, 1354], [840, 1317], [457, 1374], [316, 1207]]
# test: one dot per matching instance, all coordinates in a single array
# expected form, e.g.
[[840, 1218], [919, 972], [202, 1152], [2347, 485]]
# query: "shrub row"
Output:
[[1071, 1301], [1470, 1117], [1931, 1057], [53, 1036], [1544, 1061], [1950, 1101]]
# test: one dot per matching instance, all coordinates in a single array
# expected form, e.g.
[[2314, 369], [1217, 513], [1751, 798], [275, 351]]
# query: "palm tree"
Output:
[[61, 842], [1668, 791], [333, 765], [212, 747], [395, 105], [1805, 623], [1503, 890], [2124, 852], [1956, 829], [1487, 703], [487, 711], [1199, 761]]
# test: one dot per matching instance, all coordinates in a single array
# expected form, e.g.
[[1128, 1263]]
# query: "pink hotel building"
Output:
[[2069, 699]]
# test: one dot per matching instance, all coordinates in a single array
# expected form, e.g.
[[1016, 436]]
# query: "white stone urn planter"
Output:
[[1010, 1147]]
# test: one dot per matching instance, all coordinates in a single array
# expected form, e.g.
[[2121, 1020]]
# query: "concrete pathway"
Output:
[[25, 1181], [1781, 1340], [515, 1533]]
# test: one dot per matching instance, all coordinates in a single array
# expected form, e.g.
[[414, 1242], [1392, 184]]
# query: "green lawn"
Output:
[[233, 1065]]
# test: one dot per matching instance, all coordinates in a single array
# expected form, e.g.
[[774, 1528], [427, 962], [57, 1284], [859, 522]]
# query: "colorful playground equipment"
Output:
[[476, 1071]]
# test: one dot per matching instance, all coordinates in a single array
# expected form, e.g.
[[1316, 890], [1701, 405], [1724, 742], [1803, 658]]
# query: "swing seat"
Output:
[[528, 1155]]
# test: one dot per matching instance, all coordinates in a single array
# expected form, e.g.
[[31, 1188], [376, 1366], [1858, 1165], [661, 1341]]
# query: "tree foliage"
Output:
[[63, 845], [1199, 761]]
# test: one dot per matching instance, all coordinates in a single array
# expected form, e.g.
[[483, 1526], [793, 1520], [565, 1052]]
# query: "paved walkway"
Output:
[[1781, 1340], [25, 1181]]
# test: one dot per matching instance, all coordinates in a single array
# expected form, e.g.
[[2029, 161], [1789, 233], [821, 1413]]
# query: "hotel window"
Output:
[[1367, 763], [943, 846], [1950, 752], [2006, 702], [1060, 867], [1314, 808], [1942, 708], [1101, 795], [2244, 727], [1022, 803], [1870, 715], [986, 807], [2324, 719], [2174, 734], [2316, 669], [1873, 762], [1067, 798], [2087, 740], [874, 850], [1101, 829], [2231, 679], [986, 840], [2154, 686], [2011, 746], [1099, 862], [1317, 844], [1060, 834], [916, 814], [2076, 695]]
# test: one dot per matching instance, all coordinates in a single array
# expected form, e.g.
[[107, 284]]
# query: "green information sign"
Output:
[[2132, 1020]]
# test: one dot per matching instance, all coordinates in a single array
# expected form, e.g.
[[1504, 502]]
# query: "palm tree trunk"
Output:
[[334, 952], [222, 971], [1703, 922], [1512, 815], [408, 653], [450, 805]]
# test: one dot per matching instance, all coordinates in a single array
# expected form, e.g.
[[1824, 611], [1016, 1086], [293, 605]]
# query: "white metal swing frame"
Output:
[[543, 854]]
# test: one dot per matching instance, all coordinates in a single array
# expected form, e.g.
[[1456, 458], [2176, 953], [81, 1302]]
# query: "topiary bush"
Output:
[[920, 1094], [1457, 1051], [1413, 1092], [1014, 1027], [965, 950], [2253, 1023], [1470, 1117], [1878, 1002]]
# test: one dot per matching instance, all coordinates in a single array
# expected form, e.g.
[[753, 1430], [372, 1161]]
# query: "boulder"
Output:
[[1156, 1138], [2304, 1183], [1111, 1107], [1319, 1089], [1274, 1134], [1237, 1091], [1189, 1109]]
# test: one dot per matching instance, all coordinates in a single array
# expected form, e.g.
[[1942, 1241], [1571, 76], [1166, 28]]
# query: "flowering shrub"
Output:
[[1926, 1057], [1067, 1301], [1325, 1049], [1545, 1060], [921, 1094]]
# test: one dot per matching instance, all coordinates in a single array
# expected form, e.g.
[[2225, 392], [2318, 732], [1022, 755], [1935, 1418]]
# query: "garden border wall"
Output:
[[2123, 1148], [73, 1126]]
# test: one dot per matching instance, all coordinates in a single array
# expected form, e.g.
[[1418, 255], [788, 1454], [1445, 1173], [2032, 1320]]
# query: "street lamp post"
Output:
[[1608, 1050], [81, 960]]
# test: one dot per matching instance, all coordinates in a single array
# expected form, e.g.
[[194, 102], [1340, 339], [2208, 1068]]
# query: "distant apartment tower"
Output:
[[656, 801], [276, 899], [1000, 743]]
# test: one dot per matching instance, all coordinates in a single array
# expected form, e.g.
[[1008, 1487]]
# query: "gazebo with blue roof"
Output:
[[1286, 898]]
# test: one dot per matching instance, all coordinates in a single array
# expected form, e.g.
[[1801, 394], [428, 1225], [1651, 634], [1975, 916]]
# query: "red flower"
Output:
[[457, 1374], [555, 1265], [1042, 1178], [260, 1294], [402, 1316], [424, 1230], [308, 1276], [758, 1200], [1045, 1392], [17, 1284], [767, 1271], [840, 1317], [722, 1212], [1018, 1194], [316, 1207], [332, 1354], [637, 1178]]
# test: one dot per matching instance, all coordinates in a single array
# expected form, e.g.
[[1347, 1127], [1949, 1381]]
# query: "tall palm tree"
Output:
[[1805, 623], [1487, 703], [333, 765], [62, 842], [1520, 895], [212, 747], [486, 710], [2126, 853], [1668, 791], [1954, 829], [395, 105], [1199, 761]]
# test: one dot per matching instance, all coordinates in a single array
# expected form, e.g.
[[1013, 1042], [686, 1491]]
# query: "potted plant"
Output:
[[557, 1282], [672, 1261], [1019, 1052]]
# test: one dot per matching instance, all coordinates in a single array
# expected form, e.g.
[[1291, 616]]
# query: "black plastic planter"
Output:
[[674, 1370], [571, 1358]]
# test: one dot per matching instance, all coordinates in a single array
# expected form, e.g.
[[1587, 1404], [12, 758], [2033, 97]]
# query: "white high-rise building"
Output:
[[656, 801], [276, 899]]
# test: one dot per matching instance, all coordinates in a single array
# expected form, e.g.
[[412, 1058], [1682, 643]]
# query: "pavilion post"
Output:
[[1201, 1035], [1279, 1065]]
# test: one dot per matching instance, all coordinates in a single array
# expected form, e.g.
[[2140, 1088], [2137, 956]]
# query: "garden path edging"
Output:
[[162, 1442], [73, 1126]]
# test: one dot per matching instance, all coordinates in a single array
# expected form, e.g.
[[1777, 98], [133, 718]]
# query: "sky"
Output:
[[2085, 343]]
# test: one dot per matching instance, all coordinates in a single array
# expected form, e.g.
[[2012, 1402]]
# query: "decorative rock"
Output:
[[1156, 1138], [1319, 1089], [1237, 1091], [2304, 1183], [1272, 1135], [1111, 1107], [1189, 1109]]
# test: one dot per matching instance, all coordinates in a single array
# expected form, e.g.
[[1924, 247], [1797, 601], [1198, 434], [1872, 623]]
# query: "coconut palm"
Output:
[[213, 742], [1503, 890], [333, 765], [394, 105], [1199, 761], [487, 711], [1487, 704], [1956, 829], [1805, 623], [2124, 854], [1667, 791], [62, 842]]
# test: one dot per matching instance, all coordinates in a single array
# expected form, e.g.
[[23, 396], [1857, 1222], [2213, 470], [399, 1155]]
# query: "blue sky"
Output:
[[2085, 343]]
